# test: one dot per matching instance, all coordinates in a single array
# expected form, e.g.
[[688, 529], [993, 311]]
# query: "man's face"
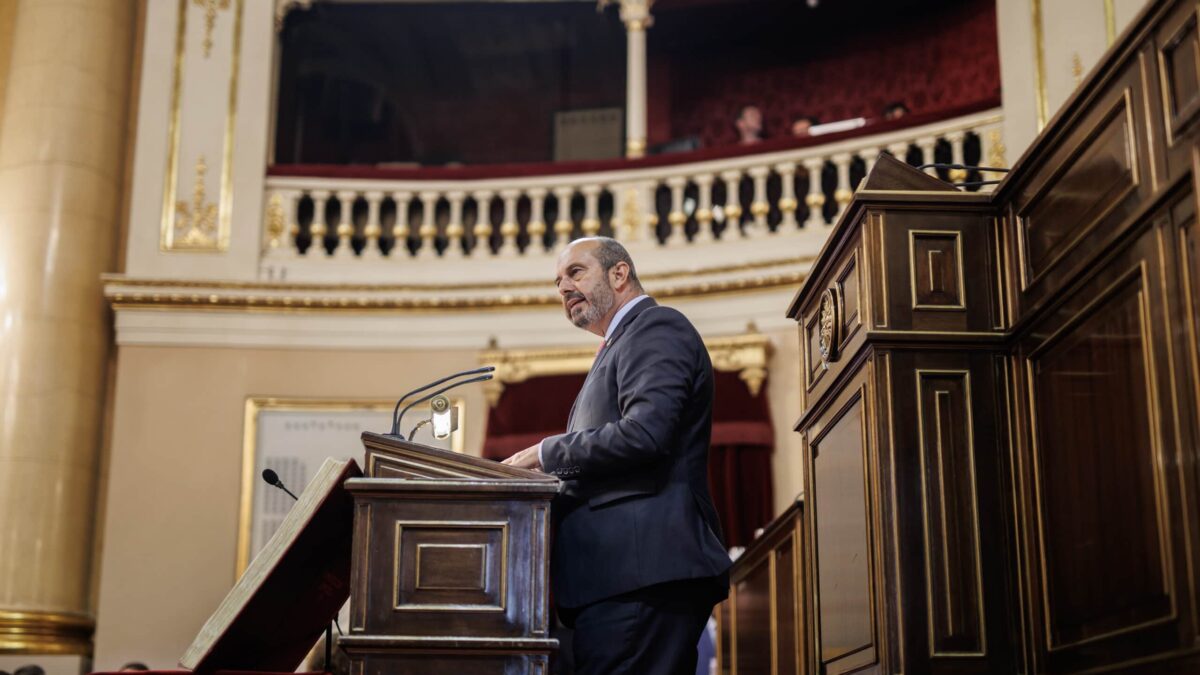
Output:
[[587, 295]]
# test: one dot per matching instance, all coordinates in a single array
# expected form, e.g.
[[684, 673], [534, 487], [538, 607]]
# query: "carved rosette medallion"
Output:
[[829, 327]]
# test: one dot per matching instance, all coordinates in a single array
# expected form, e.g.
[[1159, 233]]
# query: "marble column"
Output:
[[636, 16], [62, 149]]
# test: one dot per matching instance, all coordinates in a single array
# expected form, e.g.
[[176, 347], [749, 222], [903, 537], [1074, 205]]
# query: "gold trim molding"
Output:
[[132, 295], [180, 230], [745, 354], [45, 633]]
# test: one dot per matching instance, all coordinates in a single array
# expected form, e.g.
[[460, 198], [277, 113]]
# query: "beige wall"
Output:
[[175, 470]]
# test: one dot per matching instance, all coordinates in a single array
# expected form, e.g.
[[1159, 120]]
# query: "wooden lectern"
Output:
[[450, 564]]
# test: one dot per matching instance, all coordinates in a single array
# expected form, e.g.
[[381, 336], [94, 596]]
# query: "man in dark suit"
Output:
[[638, 560]]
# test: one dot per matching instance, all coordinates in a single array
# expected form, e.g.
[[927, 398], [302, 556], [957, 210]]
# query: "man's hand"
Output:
[[526, 459]]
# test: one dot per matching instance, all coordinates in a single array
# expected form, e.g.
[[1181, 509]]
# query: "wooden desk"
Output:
[[1001, 396]]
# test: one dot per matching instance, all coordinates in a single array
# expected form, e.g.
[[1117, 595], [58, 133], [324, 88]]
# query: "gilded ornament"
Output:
[[815, 200], [509, 229], [704, 216], [760, 209], [210, 7], [196, 223], [733, 211], [788, 205], [843, 196], [676, 218], [276, 220], [455, 230], [482, 229], [829, 326], [590, 226], [563, 227], [957, 175], [536, 228]]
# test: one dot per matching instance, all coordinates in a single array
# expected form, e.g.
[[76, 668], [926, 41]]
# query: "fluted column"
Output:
[[62, 144], [636, 16]]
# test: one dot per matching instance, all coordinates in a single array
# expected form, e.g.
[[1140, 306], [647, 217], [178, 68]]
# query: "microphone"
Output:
[[481, 378], [272, 479], [396, 423]]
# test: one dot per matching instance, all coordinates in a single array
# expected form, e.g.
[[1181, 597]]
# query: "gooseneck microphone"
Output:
[[272, 479], [397, 415], [481, 378]]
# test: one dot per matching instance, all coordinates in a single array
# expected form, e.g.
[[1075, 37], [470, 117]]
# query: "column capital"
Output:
[[635, 14]]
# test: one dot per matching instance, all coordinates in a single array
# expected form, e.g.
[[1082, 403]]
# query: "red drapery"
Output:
[[739, 460]]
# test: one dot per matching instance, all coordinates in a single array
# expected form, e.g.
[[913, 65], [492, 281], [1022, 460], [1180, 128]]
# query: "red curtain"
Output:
[[739, 460]]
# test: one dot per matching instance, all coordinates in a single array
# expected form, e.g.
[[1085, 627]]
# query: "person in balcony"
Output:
[[802, 127], [895, 110], [749, 125], [638, 561]]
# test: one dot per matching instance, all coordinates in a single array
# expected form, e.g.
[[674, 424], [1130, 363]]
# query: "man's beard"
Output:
[[598, 305]]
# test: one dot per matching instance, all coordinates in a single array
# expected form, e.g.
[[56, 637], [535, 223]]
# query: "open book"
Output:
[[291, 590]]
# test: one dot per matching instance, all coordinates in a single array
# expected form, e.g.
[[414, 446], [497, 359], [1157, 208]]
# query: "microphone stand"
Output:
[[273, 480]]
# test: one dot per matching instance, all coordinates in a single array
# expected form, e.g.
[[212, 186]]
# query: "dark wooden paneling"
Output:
[[1098, 176], [954, 584], [923, 280], [752, 604], [1179, 73], [788, 649], [845, 601], [499, 543], [1093, 398], [845, 279], [1110, 556], [937, 275], [763, 625]]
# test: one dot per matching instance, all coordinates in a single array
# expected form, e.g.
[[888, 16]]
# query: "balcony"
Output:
[[696, 211]]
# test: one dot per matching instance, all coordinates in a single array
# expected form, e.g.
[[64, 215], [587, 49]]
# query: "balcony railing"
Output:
[[749, 196]]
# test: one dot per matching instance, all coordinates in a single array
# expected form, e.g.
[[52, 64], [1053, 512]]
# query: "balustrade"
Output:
[[676, 205]]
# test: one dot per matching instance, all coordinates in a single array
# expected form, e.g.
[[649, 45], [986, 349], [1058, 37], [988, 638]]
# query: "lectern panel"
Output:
[[1093, 399], [845, 606]]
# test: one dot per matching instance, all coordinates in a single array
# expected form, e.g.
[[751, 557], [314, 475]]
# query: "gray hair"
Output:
[[609, 252]]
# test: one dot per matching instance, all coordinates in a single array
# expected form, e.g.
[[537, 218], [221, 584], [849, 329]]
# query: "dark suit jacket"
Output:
[[635, 509]]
